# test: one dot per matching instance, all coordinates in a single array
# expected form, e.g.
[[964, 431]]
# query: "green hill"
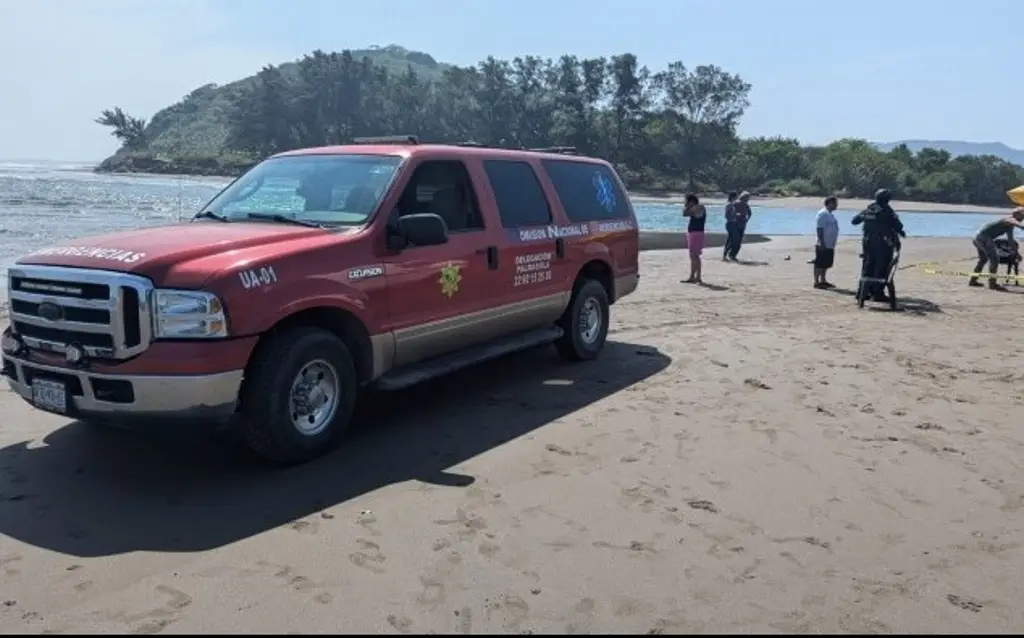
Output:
[[668, 129], [190, 136]]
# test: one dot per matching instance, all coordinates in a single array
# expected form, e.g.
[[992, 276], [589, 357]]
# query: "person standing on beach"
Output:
[[743, 214], [882, 233], [985, 243], [827, 229], [697, 215], [731, 230]]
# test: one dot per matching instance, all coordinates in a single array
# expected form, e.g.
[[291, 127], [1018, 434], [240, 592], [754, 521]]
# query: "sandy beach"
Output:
[[749, 456], [815, 203]]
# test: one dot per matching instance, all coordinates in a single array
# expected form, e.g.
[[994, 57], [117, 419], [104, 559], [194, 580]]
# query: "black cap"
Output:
[[882, 196]]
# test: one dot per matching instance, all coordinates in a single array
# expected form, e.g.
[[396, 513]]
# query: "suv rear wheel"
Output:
[[299, 395], [585, 322]]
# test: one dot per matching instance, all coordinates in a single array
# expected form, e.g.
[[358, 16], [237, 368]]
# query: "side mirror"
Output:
[[425, 229]]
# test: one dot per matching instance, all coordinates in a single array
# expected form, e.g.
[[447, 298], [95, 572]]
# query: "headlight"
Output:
[[10, 343], [186, 314]]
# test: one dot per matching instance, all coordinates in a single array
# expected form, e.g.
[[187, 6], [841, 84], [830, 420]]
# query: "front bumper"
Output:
[[108, 397]]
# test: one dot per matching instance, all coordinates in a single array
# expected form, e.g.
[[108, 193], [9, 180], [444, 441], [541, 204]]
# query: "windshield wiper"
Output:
[[283, 219], [209, 214]]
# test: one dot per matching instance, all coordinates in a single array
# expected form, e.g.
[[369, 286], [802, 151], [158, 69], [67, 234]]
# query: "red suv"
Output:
[[317, 273]]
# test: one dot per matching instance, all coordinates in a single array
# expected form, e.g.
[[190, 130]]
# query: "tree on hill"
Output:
[[130, 130], [669, 129]]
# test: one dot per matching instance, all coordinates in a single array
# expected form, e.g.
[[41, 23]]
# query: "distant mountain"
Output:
[[1000, 150]]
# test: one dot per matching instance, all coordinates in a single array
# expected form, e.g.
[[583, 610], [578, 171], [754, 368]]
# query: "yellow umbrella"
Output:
[[1016, 195]]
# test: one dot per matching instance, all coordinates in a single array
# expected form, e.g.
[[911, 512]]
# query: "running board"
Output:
[[419, 372]]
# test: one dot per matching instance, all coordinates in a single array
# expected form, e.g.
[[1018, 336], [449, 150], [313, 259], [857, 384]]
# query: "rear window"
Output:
[[588, 192], [521, 202]]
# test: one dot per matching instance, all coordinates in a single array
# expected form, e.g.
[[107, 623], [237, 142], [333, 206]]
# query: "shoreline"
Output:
[[815, 203], [642, 196]]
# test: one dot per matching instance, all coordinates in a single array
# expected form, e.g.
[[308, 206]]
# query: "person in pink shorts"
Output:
[[697, 214]]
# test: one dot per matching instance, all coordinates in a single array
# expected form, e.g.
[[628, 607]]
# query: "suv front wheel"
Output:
[[299, 395], [585, 322]]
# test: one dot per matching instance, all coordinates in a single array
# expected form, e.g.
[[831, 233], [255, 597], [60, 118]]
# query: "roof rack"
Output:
[[562, 150], [387, 139]]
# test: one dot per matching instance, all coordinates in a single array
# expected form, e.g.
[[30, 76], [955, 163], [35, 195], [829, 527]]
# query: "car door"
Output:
[[531, 271], [435, 293]]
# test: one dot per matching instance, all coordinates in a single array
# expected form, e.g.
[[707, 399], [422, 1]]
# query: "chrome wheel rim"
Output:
[[314, 397], [590, 321]]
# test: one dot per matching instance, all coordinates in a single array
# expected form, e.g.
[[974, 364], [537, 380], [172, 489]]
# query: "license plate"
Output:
[[48, 395]]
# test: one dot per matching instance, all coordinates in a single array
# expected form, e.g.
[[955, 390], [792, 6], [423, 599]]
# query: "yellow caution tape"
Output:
[[959, 273]]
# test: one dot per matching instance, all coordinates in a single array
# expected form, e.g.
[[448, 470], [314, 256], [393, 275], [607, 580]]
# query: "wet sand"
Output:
[[749, 456]]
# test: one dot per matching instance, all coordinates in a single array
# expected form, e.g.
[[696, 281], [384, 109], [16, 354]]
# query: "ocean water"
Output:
[[45, 202], [783, 221]]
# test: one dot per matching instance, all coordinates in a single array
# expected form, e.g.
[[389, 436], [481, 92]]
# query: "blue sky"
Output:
[[821, 70]]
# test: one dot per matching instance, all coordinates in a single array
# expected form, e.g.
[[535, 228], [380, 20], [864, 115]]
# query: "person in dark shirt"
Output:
[[882, 233], [697, 215], [743, 214], [731, 227], [985, 243]]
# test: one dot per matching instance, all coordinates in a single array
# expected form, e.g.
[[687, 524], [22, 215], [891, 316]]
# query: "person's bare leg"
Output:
[[693, 271], [698, 267]]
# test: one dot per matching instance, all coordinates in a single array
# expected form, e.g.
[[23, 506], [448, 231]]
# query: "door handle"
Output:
[[560, 247], [492, 256]]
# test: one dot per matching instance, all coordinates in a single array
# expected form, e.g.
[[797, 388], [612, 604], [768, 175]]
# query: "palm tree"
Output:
[[130, 130]]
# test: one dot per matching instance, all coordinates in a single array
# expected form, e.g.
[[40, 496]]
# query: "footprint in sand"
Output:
[[400, 623], [699, 504], [581, 618], [633, 547], [964, 603], [514, 611], [368, 557]]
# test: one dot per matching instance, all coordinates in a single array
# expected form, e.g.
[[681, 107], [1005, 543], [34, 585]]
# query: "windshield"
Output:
[[316, 189]]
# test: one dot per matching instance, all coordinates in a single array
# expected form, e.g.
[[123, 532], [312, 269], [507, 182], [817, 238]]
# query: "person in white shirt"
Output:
[[827, 229]]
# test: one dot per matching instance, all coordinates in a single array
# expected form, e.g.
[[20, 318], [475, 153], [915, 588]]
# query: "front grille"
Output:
[[130, 312], [70, 289], [56, 335], [86, 315], [105, 313]]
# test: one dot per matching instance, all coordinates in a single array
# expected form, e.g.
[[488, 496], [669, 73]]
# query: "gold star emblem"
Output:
[[450, 278]]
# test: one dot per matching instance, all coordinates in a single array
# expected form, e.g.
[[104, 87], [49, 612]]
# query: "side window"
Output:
[[588, 192], [521, 202], [445, 189]]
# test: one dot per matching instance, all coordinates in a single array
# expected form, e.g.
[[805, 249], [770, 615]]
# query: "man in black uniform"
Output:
[[882, 232]]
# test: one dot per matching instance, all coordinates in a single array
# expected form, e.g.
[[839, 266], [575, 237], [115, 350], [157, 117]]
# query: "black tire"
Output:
[[573, 346], [890, 289], [266, 422]]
